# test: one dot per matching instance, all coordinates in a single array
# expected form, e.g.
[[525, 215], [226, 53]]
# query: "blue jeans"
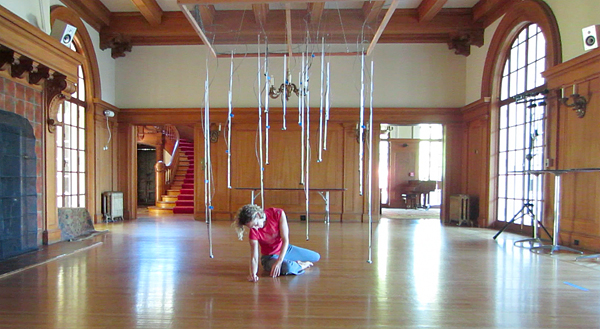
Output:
[[290, 265]]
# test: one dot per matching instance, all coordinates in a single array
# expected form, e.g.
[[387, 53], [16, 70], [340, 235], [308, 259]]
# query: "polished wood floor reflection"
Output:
[[156, 273]]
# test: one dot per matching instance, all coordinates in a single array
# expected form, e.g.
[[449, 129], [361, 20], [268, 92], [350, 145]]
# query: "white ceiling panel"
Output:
[[460, 3], [120, 5], [167, 5]]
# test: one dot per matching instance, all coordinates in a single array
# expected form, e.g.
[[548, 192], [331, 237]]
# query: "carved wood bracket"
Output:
[[6, 58], [56, 86], [56, 90], [462, 41], [118, 44], [21, 67]]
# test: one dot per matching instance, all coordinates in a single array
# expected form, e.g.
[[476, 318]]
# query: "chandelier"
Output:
[[286, 87]]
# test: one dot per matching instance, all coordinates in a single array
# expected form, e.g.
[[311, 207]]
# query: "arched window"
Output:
[[522, 128], [71, 148], [525, 43], [76, 148]]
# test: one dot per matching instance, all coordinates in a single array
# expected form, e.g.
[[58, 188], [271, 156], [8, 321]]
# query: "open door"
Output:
[[404, 154]]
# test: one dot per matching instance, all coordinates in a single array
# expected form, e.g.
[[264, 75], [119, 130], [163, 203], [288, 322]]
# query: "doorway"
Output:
[[411, 166]]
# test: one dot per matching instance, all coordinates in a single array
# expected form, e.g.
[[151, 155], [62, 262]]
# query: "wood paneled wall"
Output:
[[339, 168], [104, 177], [476, 151], [577, 147], [127, 168], [454, 181]]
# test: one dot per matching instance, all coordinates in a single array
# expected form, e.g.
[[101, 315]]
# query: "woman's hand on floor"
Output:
[[276, 269]]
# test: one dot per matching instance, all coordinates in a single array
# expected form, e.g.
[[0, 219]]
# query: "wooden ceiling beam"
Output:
[[201, 33], [315, 12], [207, 14], [406, 21], [286, 27], [371, 10], [454, 27], [429, 8], [388, 15], [175, 29], [190, 2], [260, 13], [488, 11], [92, 11], [150, 10]]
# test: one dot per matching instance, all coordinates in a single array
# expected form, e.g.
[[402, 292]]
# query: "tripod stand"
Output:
[[527, 208]]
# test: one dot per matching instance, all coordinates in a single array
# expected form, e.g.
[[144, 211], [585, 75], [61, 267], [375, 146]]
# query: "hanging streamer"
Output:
[[229, 119], [260, 138], [301, 90], [207, 161], [267, 86], [361, 124], [285, 84], [307, 159], [301, 119], [327, 108], [322, 100], [370, 203]]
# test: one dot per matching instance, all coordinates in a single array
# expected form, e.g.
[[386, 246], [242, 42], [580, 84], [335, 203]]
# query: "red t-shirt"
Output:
[[268, 236]]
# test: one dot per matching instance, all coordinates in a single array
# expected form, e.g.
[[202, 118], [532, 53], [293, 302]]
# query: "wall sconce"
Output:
[[578, 104], [357, 133], [108, 114], [214, 133]]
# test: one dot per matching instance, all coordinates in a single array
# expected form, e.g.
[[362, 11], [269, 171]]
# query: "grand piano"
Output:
[[416, 193]]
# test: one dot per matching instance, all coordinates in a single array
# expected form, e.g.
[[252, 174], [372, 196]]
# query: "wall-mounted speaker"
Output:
[[63, 32], [590, 37]]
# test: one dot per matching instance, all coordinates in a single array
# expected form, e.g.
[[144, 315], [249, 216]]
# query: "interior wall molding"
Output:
[[393, 115]]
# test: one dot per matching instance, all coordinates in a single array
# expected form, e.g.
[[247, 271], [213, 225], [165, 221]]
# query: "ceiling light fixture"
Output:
[[286, 87]]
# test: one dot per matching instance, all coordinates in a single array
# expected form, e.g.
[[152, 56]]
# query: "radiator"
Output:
[[112, 206], [460, 209]]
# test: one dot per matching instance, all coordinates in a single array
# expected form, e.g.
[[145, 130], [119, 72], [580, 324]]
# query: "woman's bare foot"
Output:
[[304, 265]]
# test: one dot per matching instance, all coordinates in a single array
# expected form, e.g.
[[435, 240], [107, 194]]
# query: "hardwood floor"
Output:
[[156, 273]]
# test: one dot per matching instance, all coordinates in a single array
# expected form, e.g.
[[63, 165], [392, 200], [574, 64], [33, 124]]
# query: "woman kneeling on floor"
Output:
[[269, 230]]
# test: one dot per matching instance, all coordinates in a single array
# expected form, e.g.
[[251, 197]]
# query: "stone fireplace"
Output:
[[18, 180], [20, 169]]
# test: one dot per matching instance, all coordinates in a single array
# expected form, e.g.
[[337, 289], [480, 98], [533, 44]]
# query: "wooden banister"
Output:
[[165, 172], [171, 137]]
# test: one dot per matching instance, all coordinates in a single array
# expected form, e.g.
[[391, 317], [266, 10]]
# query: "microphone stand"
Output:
[[527, 208]]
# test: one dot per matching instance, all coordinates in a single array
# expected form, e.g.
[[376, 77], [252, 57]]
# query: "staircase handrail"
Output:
[[171, 135]]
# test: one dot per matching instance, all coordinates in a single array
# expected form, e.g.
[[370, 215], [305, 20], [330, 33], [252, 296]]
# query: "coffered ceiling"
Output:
[[342, 27]]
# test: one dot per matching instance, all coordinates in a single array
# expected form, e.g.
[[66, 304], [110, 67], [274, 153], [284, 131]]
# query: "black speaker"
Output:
[[590, 37], [63, 32]]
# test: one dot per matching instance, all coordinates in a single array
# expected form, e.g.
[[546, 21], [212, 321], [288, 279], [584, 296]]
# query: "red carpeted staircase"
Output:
[[180, 196], [185, 198]]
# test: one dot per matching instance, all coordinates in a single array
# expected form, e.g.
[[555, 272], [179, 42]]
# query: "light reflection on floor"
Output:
[[157, 274], [155, 280], [426, 260]]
